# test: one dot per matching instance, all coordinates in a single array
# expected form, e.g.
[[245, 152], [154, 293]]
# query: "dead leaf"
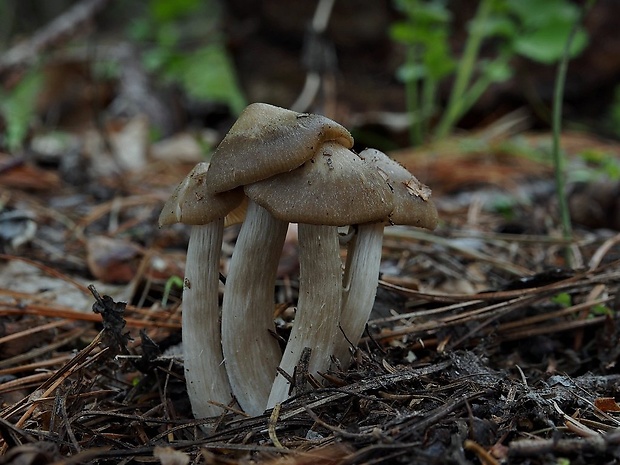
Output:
[[112, 260], [320, 456], [607, 404], [26, 176], [180, 148]]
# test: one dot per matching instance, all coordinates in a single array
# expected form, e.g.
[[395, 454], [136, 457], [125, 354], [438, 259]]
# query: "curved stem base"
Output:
[[360, 287], [205, 374], [318, 308], [251, 352]]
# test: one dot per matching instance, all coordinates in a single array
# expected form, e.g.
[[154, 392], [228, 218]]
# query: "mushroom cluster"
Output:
[[276, 167]]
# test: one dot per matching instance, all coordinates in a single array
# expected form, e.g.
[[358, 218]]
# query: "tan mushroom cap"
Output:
[[412, 203], [268, 140], [334, 188], [190, 203]]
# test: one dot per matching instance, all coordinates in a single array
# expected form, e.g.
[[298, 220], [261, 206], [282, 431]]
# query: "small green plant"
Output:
[[506, 28], [559, 159], [563, 299], [598, 165], [614, 112], [425, 35], [600, 310], [505, 205], [17, 107], [182, 45], [172, 282], [603, 163]]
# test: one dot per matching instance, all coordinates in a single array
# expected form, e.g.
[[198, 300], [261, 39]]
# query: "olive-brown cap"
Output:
[[190, 203], [267, 140], [335, 188], [412, 203]]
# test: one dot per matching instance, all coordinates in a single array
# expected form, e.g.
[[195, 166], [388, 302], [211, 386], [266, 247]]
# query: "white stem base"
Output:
[[202, 352], [360, 287], [251, 352], [318, 308]]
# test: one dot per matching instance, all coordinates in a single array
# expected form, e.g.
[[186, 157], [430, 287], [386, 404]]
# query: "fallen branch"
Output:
[[57, 32]]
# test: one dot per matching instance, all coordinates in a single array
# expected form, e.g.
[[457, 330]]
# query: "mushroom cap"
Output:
[[412, 203], [335, 188], [190, 203], [267, 140]]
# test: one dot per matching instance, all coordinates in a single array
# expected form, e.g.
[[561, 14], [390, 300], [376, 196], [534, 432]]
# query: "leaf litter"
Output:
[[483, 346]]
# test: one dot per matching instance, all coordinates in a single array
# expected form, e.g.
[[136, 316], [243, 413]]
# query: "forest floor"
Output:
[[485, 345]]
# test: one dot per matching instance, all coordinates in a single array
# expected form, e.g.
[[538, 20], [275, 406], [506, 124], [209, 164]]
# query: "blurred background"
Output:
[[107, 102], [397, 72]]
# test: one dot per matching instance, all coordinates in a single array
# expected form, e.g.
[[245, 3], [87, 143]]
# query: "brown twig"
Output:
[[57, 32]]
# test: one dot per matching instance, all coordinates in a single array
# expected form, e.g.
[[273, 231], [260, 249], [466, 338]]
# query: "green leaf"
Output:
[[601, 310], [499, 26], [544, 34], [533, 14], [168, 10], [403, 32], [612, 169], [432, 12], [437, 58], [423, 20], [599, 164], [18, 108], [408, 33], [207, 74], [497, 71], [167, 35], [546, 45], [563, 299]]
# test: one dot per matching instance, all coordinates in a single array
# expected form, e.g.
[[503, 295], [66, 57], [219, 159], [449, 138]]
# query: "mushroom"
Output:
[[334, 188], [277, 166], [265, 141], [412, 206], [251, 352], [207, 382]]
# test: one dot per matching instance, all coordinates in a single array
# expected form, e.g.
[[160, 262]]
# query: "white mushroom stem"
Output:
[[360, 287], [202, 352], [251, 351], [318, 307]]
